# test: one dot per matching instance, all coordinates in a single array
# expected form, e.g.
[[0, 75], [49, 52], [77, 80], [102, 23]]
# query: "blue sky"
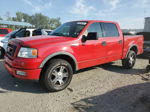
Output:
[[128, 13]]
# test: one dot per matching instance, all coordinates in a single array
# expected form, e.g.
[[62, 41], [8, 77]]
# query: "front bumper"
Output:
[[31, 74]]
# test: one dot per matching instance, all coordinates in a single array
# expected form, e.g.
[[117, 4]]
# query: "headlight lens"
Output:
[[28, 52]]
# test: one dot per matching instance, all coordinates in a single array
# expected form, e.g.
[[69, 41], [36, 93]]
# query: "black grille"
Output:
[[11, 50]]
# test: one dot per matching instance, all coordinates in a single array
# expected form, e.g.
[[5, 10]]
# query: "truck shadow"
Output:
[[119, 69], [9, 84], [132, 98]]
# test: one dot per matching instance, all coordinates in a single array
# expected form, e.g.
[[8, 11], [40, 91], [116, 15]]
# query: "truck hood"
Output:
[[41, 41]]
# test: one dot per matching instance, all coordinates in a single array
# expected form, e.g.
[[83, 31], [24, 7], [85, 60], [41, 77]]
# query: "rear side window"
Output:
[[110, 30], [95, 27], [37, 32], [3, 31], [27, 34], [21, 33]]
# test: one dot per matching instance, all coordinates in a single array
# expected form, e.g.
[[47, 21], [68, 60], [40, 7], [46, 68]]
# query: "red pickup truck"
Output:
[[73, 46]]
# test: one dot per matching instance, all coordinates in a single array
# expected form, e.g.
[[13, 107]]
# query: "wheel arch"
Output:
[[61, 55], [133, 48]]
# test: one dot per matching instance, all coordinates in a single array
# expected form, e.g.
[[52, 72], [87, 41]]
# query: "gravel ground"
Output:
[[105, 88]]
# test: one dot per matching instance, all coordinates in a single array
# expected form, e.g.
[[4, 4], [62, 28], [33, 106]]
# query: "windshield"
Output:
[[11, 33], [70, 29]]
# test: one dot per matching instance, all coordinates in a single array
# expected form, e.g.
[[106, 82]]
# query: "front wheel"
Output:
[[57, 75], [130, 60]]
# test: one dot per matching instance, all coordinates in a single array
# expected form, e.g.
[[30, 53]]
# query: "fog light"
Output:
[[21, 73]]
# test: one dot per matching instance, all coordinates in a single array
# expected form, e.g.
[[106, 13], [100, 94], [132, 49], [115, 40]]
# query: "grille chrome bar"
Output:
[[11, 50]]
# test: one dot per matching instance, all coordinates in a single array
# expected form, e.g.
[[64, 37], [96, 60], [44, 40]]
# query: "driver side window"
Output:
[[95, 27]]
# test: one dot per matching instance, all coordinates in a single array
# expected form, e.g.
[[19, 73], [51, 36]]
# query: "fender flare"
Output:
[[134, 45], [56, 54]]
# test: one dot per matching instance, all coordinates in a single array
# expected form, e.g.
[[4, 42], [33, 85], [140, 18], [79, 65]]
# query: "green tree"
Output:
[[54, 23], [38, 20], [22, 17], [41, 21]]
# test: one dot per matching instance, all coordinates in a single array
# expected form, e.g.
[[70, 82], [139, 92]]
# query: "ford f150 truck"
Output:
[[73, 46]]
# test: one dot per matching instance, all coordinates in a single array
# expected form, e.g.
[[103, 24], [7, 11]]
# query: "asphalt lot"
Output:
[[105, 88]]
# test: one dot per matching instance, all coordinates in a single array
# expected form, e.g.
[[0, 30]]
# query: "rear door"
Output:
[[114, 41]]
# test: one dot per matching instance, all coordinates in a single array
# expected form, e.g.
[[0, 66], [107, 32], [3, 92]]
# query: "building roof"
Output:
[[147, 17], [15, 23]]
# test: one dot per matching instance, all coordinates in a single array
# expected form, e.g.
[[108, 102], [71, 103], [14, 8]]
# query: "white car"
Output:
[[21, 33], [4, 41]]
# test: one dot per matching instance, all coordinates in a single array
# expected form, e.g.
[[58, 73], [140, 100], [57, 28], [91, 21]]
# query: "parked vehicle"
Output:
[[4, 41], [147, 54], [48, 31], [73, 46], [21, 33], [146, 40], [4, 31]]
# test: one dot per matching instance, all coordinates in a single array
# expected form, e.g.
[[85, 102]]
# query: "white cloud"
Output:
[[81, 8], [131, 23], [143, 3], [112, 3], [38, 6]]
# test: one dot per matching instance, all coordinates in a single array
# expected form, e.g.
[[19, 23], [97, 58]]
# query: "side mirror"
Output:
[[12, 36], [84, 38], [92, 36]]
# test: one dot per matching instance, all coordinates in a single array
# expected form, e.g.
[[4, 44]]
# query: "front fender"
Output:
[[56, 54]]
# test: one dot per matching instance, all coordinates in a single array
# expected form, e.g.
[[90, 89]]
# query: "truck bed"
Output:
[[133, 40]]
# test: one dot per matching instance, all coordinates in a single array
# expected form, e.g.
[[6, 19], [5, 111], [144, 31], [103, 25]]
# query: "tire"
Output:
[[57, 76], [2, 53], [130, 60], [147, 69]]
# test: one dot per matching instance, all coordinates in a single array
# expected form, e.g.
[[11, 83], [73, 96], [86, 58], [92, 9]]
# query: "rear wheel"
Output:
[[57, 76], [129, 62], [2, 53]]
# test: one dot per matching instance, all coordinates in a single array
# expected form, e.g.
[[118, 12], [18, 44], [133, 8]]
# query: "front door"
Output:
[[92, 52]]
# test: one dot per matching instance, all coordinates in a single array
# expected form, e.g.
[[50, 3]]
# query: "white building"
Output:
[[147, 24]]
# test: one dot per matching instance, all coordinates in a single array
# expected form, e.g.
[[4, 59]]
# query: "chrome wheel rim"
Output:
[[132, 59], [59, 75]]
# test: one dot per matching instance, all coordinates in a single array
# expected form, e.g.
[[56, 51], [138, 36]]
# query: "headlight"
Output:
[[27, 52]]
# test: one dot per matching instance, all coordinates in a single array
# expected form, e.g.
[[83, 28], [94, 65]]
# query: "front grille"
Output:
[[11, 50]]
